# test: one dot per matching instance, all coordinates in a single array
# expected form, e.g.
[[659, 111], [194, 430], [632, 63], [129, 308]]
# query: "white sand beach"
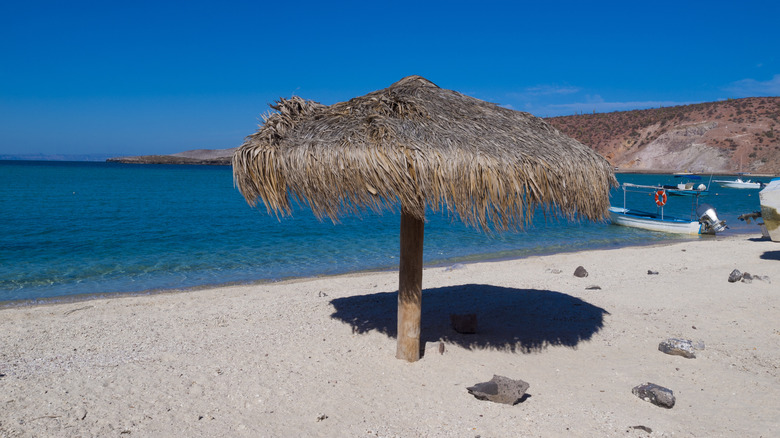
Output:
[[316, 357]]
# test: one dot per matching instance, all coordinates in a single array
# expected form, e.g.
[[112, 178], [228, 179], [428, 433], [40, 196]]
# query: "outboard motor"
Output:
[[709, 219]]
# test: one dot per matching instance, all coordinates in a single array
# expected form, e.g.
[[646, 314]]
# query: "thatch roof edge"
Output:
[[416, 146]]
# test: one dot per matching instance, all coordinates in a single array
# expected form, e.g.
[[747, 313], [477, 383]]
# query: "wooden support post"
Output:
[[410, 287]]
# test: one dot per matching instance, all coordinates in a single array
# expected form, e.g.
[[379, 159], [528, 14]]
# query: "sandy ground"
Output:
[[315, 357]]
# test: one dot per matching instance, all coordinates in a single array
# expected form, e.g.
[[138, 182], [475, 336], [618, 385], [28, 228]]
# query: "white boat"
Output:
[[688, 186], [740, 184], [770, 208], [706, 221]]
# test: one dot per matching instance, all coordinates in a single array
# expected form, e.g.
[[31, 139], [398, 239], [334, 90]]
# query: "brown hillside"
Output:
[[722, 137]]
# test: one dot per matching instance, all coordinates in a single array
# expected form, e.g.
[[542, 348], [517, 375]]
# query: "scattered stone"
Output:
[[466, 324], [580, 272], [655, 394], [746, 277], [594, 287], [554, 271], [322, 294], [649, 272], [645, 428], [678, 347], [454, 267], [500, 390], [321, 417], [442, 348]]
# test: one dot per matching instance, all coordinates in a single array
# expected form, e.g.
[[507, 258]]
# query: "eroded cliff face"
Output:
[[730, 136], [683, 148]]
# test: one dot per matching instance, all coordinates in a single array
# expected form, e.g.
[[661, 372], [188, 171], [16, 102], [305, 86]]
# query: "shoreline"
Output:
[[464, 260], [315, 357]]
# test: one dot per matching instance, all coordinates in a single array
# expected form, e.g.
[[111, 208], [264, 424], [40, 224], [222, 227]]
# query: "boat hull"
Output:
[[653, 222], [739, 184], [770, 208]]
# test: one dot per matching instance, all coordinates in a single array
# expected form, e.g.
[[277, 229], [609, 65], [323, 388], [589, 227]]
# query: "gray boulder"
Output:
[[500, 390], [735, 276], [678, 347], [580, 272], [655, 394]]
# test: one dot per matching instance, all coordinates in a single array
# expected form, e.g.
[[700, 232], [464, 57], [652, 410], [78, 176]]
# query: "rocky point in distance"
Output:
[[730, 136], [219, 157]]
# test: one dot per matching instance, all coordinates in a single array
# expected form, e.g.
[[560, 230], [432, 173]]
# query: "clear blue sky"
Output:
[[138, 77]]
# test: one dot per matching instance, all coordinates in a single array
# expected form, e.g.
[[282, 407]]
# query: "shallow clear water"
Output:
[[92, 228]]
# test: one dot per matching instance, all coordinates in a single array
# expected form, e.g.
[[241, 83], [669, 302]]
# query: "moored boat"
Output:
[[740, 184], [653, 221], [690, 185], [705, 222]]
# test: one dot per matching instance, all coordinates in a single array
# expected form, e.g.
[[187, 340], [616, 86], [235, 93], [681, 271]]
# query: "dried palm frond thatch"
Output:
[[414, 145]]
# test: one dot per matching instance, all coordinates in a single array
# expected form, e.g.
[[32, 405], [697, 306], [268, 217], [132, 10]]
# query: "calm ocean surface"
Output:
[[72, 228]]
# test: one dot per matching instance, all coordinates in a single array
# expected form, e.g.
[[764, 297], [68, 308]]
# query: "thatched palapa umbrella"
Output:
[[418, 146]]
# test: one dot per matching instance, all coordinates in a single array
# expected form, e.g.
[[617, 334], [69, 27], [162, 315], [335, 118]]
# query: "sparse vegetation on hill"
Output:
[[727, 136], [736, 135]]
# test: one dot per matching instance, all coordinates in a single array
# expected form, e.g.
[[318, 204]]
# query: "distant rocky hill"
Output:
[[736, 135], [195, 156], [739, 135]]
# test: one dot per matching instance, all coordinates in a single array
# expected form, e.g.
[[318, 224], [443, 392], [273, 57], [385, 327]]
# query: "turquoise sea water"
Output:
[[69, 228]]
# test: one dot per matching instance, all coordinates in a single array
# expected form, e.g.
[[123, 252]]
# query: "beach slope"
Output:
[[315, 357]]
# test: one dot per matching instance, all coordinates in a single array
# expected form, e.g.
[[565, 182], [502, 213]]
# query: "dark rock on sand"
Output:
[[746, 277], [655, 394], [500, 390], [466, 324], [580, 272], [678, 347]]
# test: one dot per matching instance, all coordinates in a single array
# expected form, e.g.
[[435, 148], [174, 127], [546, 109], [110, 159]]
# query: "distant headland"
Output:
[[216, 157], [729, 136]]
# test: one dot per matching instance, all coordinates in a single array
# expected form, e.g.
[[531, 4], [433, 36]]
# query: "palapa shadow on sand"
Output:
[[516, 320], [770, 255]]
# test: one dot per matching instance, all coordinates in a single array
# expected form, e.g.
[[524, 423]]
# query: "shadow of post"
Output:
[[516, 320]]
